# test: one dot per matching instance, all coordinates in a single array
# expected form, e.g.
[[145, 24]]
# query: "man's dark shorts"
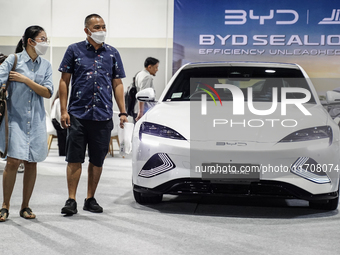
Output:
[[95, 134]]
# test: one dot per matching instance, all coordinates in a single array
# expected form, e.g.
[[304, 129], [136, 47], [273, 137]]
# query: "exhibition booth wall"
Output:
[[181, 31]]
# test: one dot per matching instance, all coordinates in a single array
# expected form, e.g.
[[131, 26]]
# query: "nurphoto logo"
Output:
[[238, 100], [238, 105]]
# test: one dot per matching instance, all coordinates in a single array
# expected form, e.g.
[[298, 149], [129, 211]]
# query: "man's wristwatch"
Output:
[[123, 113]]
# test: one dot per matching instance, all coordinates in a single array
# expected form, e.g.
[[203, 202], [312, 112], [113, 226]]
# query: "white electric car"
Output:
[[238, 128]]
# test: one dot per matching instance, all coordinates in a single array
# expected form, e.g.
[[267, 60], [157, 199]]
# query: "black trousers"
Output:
[[62, 134]]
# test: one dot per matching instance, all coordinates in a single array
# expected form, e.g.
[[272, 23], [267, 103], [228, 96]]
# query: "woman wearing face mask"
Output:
[[30, 83]]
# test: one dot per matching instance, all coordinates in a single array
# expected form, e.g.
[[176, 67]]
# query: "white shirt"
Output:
[[144, 80], [55, 111]]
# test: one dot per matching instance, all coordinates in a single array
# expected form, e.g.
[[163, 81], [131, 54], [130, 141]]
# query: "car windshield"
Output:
[[190, 84]]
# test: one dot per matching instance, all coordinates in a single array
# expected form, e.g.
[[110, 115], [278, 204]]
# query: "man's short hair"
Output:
[[150, 61], [89, 17]]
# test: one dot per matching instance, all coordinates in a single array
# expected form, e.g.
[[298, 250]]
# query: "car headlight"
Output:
[[159, 130], [309, 134]]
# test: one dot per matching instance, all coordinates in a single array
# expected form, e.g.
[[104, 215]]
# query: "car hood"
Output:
[[179, 117]]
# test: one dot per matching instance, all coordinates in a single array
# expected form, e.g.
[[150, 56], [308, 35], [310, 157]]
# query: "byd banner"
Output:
[[303, 32]]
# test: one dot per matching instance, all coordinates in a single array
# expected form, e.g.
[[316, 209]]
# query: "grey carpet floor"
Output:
[[179, 225]]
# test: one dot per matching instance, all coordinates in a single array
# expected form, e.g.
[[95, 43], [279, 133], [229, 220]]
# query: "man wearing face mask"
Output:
[[96, 70]]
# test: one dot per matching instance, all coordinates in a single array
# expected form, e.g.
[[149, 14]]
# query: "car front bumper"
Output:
[[185, 159], [262, 188]]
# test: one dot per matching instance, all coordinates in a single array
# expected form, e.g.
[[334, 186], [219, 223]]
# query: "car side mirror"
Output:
[[146, 95], [333, 97]]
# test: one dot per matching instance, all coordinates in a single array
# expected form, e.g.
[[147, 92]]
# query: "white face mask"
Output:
[[41, 48], [98, 37]]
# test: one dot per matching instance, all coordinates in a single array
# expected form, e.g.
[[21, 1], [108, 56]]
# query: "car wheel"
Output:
[[146, 198], [329, 205]]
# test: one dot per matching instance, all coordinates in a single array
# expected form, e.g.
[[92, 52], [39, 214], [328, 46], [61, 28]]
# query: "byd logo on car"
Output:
[[239, 104]]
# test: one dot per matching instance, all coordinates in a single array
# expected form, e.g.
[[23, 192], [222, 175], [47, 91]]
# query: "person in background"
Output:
[[144, 79], [96, 70], [31, 82], [61, 132]]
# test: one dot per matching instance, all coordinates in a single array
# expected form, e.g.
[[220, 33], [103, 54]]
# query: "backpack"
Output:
[[130, 97]]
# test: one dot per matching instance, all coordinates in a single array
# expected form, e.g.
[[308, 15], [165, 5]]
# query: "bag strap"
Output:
[[13, 69], [4, 154], [134, 79]]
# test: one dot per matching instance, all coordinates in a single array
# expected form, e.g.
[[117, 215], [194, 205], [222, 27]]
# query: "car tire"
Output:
[[329, 205], [146, 198]]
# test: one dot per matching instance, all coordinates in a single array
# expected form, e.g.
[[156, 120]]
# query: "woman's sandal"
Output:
[[27, 213], [3, 214]]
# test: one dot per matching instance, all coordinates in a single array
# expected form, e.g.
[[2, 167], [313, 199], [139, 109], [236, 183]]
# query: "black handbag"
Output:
[[3, 108]]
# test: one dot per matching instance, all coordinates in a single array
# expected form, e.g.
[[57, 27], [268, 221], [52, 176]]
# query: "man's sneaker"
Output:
[[70, 207], [91, 205]]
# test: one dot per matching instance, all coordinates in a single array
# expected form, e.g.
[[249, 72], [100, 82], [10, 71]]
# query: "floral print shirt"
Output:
[[92, 74]]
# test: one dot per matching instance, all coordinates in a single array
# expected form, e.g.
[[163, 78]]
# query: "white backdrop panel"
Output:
[[68, 16], [17, 15], [138, 19]]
